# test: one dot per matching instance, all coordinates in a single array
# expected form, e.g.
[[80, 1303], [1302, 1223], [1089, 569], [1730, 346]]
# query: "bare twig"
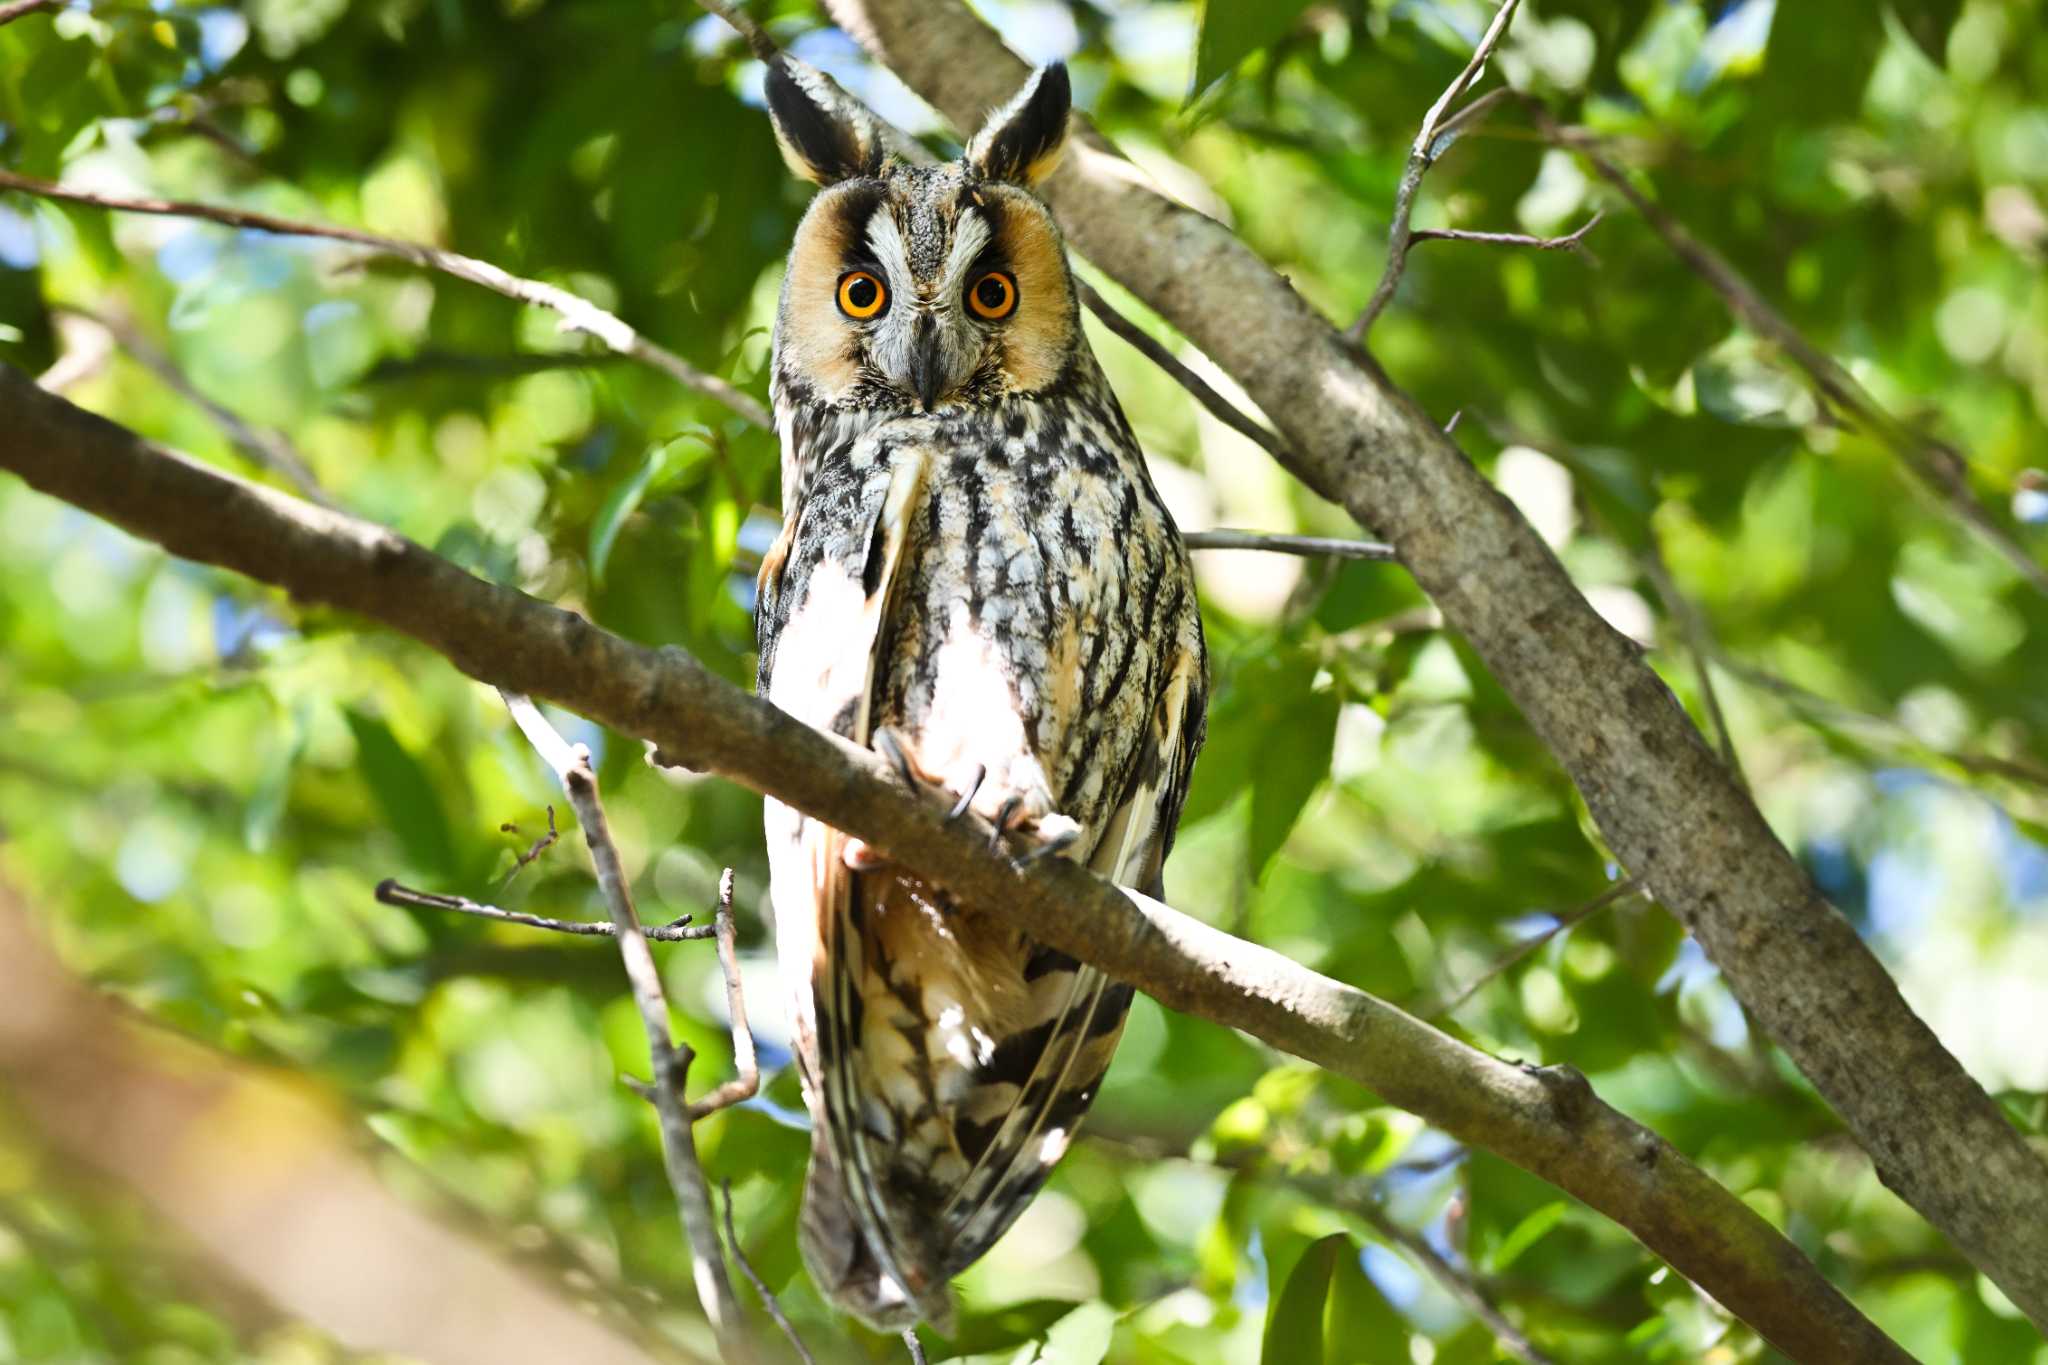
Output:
[[1570, 919], [768, 1300], [394, 893], [758, 41], [747, 1083], [538, 847], [916, 1347], [14, 10], [671, 1061], [1329, 547], [1421, 156], [578, 314], [269, 449], [1571, 241], [431, 361], [1699, 642], [1936, 463], [1221, 408], [86, 351], [1459, 1285]]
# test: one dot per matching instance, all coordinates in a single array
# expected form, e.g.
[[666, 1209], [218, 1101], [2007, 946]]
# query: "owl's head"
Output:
[[912, 288]]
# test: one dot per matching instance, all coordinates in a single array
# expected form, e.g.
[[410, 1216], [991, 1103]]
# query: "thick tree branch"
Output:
[[1549, 1122], [577, 314], [308, 1227], [1667, 806]]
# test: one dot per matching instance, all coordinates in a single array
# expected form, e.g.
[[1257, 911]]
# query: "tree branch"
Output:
[[578, 314], [1571, 241], [1327, 547], [15, 10], [309, 1227], [1662, 799], [392, 893], [671, 1062], [1421, 156], [1936, 463], [267, 449], [1549, 1122], [1460, 1287]]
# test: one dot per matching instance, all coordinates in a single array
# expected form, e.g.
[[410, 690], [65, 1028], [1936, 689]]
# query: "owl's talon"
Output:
[[1058, 843], [967, 796], [888, 746], [1004, 814]]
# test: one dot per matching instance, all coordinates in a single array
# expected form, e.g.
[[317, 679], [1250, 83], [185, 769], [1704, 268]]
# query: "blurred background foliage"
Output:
[[200, 782]]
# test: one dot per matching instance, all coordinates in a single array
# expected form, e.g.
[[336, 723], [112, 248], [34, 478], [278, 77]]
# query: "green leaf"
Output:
[[1927, 23], [662, 462], [405, 795], [1234, 29], [1360, 1326], [1526, 1234], [1294, 1331], [1270, 731], [1008, 1327]]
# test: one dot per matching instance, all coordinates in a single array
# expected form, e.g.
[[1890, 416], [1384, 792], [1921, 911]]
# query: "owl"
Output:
[[976, 578]]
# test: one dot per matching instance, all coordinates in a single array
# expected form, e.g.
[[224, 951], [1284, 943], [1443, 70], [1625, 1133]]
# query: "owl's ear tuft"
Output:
[[1022, 141], [825, 134]]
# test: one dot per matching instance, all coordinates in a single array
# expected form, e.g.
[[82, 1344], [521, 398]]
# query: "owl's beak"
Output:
[[927, 365]]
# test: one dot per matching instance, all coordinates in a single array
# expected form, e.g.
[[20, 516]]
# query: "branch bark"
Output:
[[1549, 1122], [1668, 808]]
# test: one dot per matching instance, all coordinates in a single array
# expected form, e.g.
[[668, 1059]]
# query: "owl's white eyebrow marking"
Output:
[[885, 239], [970, 234]]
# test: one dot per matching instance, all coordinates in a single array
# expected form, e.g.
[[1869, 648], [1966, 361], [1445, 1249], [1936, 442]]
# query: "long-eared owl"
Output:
[[976, 578]]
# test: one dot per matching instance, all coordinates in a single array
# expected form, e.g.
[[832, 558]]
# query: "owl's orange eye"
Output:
[[993, 296], [861, 295]]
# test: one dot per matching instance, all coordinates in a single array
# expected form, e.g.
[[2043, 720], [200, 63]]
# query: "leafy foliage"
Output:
[[200, 782]]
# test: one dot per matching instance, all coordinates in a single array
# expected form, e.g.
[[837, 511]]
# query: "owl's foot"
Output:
[[1053, 832], [861, 856]]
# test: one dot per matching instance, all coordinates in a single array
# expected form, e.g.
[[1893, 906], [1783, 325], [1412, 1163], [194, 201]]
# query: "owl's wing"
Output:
[[1080, 1034], [827, 586]]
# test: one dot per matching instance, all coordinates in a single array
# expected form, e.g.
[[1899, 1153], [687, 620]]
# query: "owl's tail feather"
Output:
[[842, 1262]]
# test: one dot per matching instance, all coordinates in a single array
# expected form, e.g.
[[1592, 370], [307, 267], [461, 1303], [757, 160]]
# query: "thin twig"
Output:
[[1219, 407], [86, 349], [1457, 1283], [747, 1082], [758, 41], [1421, 156], [1699, 643], [1939, 465], [392, 370], [1328, 547], [538, 847], [768, 1299], [1627, 887], [578, 314], [671, 1061], [268, 449], [1571, 241], [14, 10], [916, 1347], [395, 893]]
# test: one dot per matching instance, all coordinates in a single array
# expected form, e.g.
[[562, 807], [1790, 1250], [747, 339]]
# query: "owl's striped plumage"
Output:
[[976, 576]]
